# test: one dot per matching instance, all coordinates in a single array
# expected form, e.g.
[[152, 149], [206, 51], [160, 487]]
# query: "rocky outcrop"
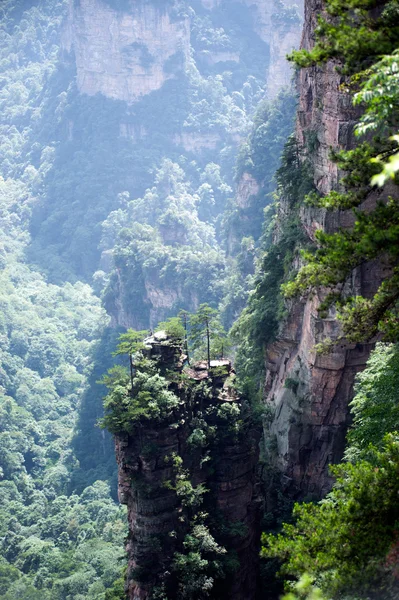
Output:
[[151, 302], [197, 142], [128, 52], [310, 392], [247, 188], [156, 456], [284, 39], [278, 24], [125, 54]]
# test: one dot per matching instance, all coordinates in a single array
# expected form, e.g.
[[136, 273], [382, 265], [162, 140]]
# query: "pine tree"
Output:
[[130, 343], [206, 330]]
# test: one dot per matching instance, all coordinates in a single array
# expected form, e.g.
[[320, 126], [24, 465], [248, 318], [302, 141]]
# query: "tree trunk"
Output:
[[186, 338], [131, 370], [209, 344]]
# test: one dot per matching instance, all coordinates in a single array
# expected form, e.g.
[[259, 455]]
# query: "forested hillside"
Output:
[[119, 207]]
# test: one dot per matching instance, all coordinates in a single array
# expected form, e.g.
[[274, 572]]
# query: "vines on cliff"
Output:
[[259, 323]]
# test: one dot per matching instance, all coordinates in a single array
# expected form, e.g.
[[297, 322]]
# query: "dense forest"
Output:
[[173, 193]]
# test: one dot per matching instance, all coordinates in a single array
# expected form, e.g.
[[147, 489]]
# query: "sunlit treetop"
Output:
[[355, 32]]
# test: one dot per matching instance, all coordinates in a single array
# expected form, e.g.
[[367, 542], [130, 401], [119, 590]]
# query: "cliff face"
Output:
[[185, 77], [309, 392], [129, 52], [124, 54], [278, 24], [155, 303], [161, 460]]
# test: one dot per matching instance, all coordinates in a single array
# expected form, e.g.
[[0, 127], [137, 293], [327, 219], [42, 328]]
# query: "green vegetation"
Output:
[[247, 223], [260, 157], [304, 590], [199, 565], [375, 408], [193, 560], [56, 540], [347, 543], [159, 241], [374, 234], [148, 399], [91, 186], [355, 32], [206, 331], [259, 322]]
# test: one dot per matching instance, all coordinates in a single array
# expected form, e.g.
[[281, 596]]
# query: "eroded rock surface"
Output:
[[158, 522], [308, 392], [125, 54], [129, 52], [282, 33]]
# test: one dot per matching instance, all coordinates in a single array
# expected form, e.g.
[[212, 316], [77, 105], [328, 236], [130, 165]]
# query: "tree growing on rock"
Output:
[[130, 343], [207, 332], [184, 317]]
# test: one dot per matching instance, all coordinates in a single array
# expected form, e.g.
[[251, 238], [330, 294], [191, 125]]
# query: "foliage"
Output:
[[207, 333], [259, 156], [199, 564], [54, 541], [173, 328], [374, 233], [355, 32], [259, 322], [150, 397], [84, 176], [345, 541], [131, 342], [192, 559], [304, 590], [379, 96], [166, 246], [389, 169], [375, 408]]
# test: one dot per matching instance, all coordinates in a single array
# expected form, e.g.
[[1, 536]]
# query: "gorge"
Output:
[[164, 158]]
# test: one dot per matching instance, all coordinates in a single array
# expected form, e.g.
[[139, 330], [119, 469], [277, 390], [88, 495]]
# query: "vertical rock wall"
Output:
[[124, 54], [308, 392], [272, 24]]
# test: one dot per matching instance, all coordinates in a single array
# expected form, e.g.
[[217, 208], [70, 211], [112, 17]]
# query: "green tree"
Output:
[[149, 399], [347, 542], [354, 32], [358, 35], [200, 564], [304, 590], [173, 328], [130, 343], [375, 407], [206, 331], [184, 317]]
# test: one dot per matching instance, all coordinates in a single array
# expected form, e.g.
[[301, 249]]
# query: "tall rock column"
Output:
[[189, 483]]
